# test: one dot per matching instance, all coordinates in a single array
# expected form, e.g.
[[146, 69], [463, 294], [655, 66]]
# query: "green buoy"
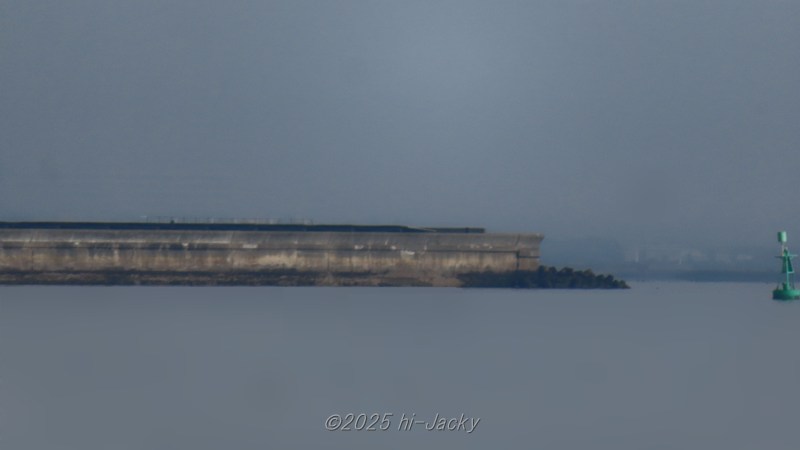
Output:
[[786, 290]]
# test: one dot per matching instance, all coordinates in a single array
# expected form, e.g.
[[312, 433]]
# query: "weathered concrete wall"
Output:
[[321, 258]]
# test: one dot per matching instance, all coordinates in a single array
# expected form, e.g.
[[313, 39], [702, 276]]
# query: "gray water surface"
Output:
[[660, 366]]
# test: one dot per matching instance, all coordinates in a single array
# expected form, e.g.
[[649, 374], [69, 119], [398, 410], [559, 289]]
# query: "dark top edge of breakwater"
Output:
[[231, 226]]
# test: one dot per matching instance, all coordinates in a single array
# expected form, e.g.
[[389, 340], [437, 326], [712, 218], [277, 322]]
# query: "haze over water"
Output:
[[663, 365], [638, 121]]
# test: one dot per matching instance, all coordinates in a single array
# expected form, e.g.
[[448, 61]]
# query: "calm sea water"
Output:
[[660, 366]]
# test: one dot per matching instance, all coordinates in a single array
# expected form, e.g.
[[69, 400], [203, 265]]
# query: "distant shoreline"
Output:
[[701, 275]]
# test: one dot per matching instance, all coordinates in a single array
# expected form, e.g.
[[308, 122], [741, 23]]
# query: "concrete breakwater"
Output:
[[256, 254]]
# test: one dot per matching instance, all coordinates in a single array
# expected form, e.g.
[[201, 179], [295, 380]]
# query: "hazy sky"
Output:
[[676, 120]]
